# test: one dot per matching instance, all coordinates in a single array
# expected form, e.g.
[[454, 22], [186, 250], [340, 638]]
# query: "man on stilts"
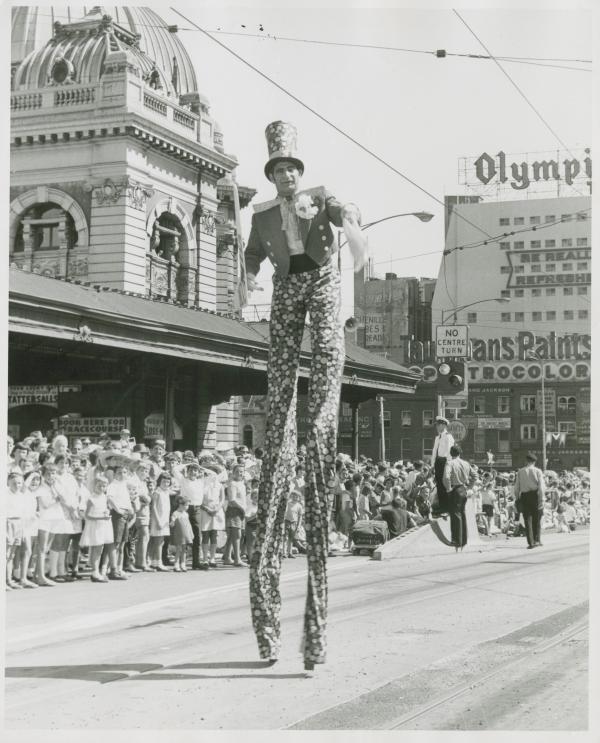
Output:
[[294, 232]]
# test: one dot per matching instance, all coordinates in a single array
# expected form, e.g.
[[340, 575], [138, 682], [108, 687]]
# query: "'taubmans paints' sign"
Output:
[[549, 347], [522, 175]]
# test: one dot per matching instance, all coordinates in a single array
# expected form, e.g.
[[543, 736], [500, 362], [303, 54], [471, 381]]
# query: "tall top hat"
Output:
[[282, 144]]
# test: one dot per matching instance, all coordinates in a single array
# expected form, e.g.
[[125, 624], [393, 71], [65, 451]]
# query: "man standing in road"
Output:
[[441, 451], [529, 496], [457, 477]]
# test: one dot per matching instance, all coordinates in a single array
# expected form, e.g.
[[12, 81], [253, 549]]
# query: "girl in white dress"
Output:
[[98, 530], [160, 508], [235, 510], [30, 526], [50, 514], [212, 518], [70, 524]]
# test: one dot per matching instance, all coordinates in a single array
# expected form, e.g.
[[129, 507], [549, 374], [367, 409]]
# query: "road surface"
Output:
[[494, 640]]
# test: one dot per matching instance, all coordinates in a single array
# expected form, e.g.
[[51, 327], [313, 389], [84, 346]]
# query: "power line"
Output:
[[521, 93], [324, 119]]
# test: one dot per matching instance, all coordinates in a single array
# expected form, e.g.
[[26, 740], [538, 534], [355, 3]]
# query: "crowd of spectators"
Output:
[[113, 507]]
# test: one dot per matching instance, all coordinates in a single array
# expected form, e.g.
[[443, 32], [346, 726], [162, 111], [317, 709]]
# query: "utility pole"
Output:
[[381, 428]]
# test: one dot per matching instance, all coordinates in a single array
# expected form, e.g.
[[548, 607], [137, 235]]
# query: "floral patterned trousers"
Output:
[[318, 293]]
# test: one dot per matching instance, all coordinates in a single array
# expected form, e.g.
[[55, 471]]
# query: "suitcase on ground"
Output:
[[368, 535]]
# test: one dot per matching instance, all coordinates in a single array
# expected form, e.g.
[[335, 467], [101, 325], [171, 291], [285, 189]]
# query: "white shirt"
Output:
[[442, 444], [290, 226]]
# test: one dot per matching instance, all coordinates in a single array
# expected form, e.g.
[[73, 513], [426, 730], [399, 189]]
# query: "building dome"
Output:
[[33, 27], [81, 52]]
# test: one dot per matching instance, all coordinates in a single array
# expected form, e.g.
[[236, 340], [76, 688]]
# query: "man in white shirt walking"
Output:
[[441, 451], [530, 489]]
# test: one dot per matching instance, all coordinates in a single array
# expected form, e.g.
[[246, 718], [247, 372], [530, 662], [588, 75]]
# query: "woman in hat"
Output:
[[160, 513], [294, 232]]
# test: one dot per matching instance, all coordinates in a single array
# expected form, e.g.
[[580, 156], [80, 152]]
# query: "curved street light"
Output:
[[453, 313], [421, 216]]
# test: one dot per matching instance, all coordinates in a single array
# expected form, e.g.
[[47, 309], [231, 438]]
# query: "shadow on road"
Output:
[[106, 673]]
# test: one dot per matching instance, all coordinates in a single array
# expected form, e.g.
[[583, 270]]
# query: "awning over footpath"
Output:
[[67, 311]]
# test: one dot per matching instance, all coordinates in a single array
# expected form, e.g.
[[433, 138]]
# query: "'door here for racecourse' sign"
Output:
[[452, 341]]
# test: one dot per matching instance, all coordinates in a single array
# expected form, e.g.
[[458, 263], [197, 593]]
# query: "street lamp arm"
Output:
[[423, 216], [471, 304]]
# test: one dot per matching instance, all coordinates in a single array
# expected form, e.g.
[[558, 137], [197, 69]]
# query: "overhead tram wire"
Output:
[[521, 93], [325, 120], [274, 37]]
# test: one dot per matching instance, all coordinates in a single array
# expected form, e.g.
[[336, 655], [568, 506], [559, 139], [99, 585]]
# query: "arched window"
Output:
[[248, 437], [167, 236], [567, 404], [45, 227]]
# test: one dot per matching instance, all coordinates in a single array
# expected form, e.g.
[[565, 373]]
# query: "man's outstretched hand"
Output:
[[252, 283]]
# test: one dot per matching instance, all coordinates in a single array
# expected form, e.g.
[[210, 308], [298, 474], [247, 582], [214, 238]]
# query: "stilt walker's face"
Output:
[[286, 177]]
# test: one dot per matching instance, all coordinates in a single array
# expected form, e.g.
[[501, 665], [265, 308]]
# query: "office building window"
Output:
[[427, 447], [568, 315], [582, 314], [471, 317], [549, 243], [528, 403], [504, 246], [567, 404], [427, 418], [503, 441], [567, 427], [535, 244], [505, 316], [504, 221], [519, 220], [528, 432], [519, 316], [405, 448], [567, 291], [387, 419], [505, 293], [536, 292], [536, 268], [567, 266], [518, 293], [582, 266], [551, 315], [479, 404], [550, 292], [519, 269], [504, 269], [582, 242], [536, 316], [405, 418], [518, 245], [566, 242], [550, 218], [503, 404], [582, 290], [479, 441], [550, 267], [535, 220]]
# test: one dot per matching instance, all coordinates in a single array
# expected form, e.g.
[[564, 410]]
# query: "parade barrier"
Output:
[[433, 538]]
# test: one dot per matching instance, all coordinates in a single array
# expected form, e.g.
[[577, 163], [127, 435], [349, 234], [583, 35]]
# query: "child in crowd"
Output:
[[160, 507], [144, 487], [14, 524], [212, 516], [293, 519], [98, 529], [50, 513], [181, 533], [121, 511], [30, 527], [235, 498], [562, 525], [82, 496], [362, 504], [251, 519]]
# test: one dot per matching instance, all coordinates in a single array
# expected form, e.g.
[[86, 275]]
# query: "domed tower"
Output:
[[115, 156]]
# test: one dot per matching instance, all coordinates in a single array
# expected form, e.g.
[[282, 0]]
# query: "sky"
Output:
[[417, 112]]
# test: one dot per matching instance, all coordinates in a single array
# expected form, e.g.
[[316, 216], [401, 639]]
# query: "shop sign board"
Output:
[[93, 426], [154, 425], [32, 394], [496, 424], [457, 429]]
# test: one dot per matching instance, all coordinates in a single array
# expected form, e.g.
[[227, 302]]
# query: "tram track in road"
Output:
[[404, 691], [406, 591]]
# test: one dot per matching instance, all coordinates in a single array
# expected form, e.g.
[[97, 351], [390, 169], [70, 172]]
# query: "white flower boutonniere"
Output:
[[305, 207]]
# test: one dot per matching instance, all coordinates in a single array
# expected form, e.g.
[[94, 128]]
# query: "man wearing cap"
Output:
[[294, 231], [457, 478], [529, 496], [441, 451]]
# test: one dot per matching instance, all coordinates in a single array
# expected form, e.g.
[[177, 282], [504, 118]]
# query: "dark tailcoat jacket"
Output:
[[268, 240]]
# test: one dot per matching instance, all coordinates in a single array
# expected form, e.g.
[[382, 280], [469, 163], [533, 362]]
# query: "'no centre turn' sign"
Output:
[[452, 341]]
